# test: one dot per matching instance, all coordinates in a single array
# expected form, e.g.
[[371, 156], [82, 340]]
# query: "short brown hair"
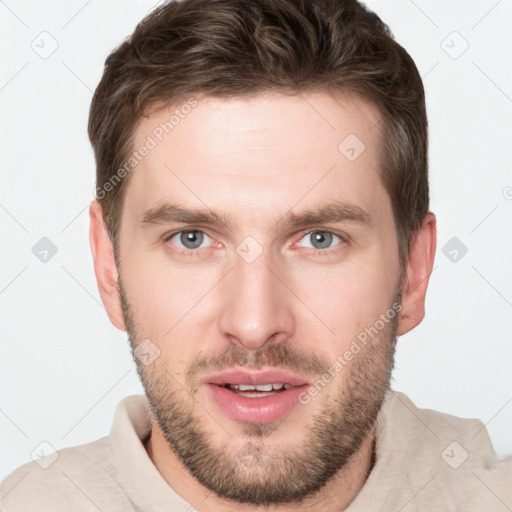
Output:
[[240, 47]]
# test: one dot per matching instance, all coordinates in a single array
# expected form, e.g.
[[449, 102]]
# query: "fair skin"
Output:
[[255, 160]]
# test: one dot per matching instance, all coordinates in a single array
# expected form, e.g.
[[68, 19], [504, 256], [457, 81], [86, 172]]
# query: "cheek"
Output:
[[347, 298], [169, 304]]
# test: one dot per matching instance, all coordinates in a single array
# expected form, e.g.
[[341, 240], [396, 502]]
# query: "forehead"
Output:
[[259, 154]]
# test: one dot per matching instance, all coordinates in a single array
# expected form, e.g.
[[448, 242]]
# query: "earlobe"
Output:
[[419, 268], [105, 266]]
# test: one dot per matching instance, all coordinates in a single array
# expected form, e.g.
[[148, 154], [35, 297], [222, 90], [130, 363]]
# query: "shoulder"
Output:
[[427, 428], [75, 478], [451, 459]]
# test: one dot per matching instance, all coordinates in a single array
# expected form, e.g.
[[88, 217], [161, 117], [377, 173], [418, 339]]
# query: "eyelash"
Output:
[[329, 251], [324, 252]]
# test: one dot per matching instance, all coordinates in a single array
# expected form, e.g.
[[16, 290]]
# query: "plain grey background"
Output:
[[63, 367]]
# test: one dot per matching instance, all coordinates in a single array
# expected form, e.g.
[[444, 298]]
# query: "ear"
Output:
[[419, 269], [105, 265]]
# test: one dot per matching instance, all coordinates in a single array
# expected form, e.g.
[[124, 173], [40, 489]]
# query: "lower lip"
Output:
[[255, 410]]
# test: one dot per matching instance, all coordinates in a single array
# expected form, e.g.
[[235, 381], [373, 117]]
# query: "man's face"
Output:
[[260, 294]]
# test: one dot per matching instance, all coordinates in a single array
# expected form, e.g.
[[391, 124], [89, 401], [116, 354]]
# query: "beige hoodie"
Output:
[[426, 461]]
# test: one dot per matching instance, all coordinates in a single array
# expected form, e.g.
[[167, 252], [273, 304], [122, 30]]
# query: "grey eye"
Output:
[[321, 239], [191, 239]]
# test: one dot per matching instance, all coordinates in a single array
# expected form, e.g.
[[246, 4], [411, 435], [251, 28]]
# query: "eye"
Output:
[[189, 239], [320, 240]]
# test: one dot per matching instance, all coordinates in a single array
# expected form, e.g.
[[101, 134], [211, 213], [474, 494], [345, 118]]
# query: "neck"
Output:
[[335, 496]]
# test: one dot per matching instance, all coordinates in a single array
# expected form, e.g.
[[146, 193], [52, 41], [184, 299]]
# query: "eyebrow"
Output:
[[336, 211]]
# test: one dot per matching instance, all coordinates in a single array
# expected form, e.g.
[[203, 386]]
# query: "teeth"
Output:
[[260, 387]]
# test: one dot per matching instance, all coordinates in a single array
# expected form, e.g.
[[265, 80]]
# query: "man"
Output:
[[262, 232]]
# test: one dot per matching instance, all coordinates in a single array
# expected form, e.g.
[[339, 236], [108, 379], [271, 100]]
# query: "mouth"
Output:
[[259, 391], [255, 397]]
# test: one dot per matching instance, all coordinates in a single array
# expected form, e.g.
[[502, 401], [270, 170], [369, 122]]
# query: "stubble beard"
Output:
[[246, 470]]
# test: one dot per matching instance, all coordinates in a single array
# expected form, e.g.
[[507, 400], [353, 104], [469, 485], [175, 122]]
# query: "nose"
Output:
[[256, 304]]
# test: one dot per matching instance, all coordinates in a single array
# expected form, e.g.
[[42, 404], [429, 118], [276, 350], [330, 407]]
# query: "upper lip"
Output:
[[255, 377]]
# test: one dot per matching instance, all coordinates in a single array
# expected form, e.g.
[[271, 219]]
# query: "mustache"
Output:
[[284, 356]]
